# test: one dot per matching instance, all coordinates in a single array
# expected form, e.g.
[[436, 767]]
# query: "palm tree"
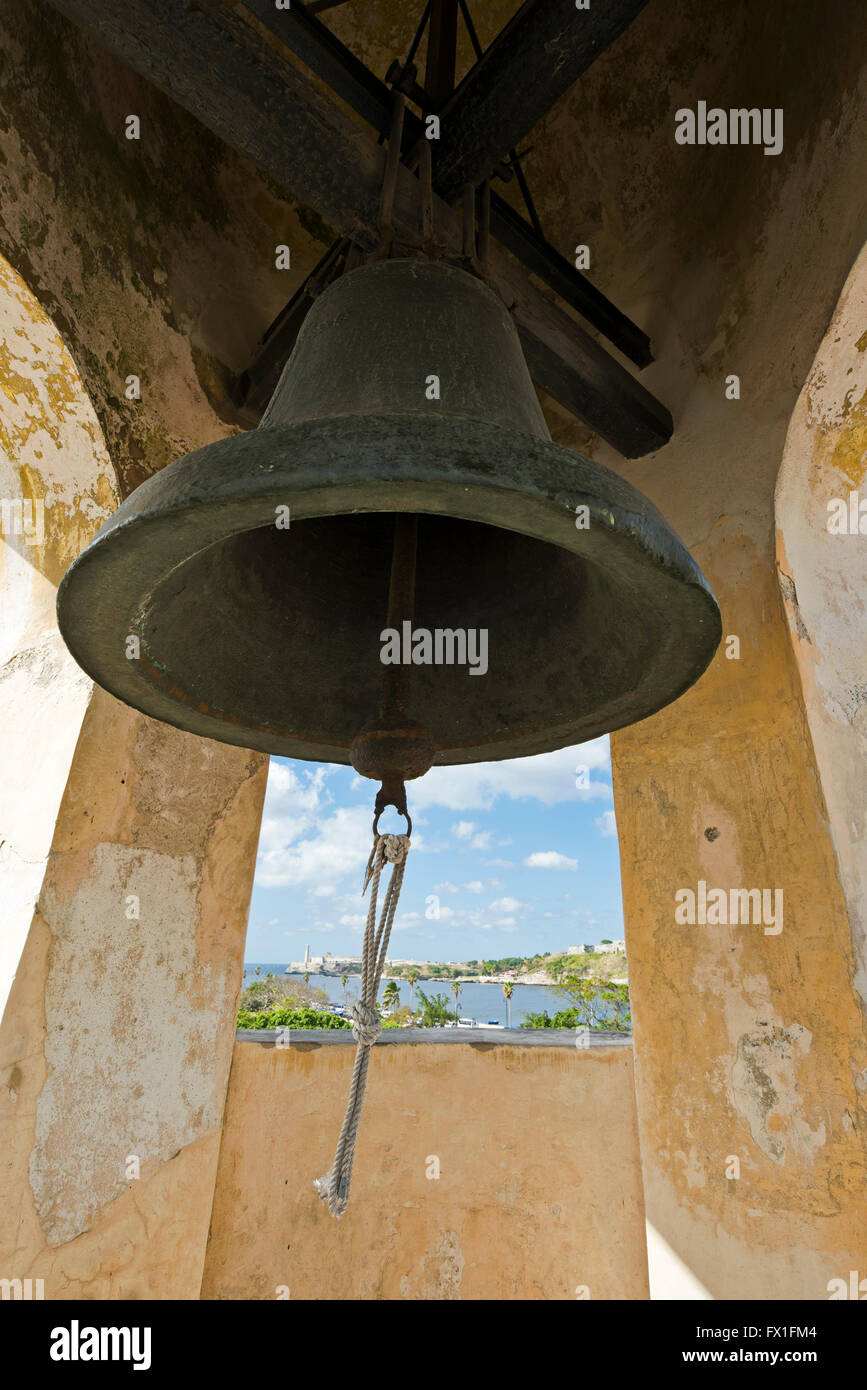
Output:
[[507, 990], [411, 980], [391, 995], [306, 977], [455, 989], [343, 980]]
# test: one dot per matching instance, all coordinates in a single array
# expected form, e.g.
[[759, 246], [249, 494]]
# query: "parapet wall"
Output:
[[538, 1193]]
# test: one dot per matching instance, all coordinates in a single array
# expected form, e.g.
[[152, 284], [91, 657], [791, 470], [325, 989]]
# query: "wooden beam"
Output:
[[331, 60], [442, 42], [225, 73], [543, 49]]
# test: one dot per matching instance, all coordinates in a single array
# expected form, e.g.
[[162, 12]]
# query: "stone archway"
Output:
[[56, 486], [128, 858], [821, 530]]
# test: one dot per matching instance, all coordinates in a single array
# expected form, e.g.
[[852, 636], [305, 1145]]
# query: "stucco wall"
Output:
[[126, 848], [750, 1046], [821, 511], [539, 1193]]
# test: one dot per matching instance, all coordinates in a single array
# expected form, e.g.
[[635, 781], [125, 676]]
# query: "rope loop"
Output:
[[366, 1024]]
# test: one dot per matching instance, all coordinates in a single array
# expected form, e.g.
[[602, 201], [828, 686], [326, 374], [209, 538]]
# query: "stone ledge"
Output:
[[487, 1037]]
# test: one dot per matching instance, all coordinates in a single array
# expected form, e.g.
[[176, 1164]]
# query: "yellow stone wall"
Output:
[[539, 1194]]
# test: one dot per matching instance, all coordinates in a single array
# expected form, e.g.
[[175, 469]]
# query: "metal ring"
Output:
[[405, 815]]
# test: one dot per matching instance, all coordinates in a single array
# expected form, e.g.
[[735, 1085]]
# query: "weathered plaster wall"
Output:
[[154, 258], [749, 1046], [56, 485], [117, 1038], [746, 1044], [821, 509], [126, 868], [539, 1190]]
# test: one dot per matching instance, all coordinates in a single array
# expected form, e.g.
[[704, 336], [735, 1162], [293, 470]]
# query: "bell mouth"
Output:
[[271, 637]]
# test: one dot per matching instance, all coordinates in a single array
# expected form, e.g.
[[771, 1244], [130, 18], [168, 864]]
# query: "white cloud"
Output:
[[607, 824], [446, 887], [549, 859], [481, 841], [475, 887], [499, 863], [547, 777], [506, 905], [338, 845], [463, 830]]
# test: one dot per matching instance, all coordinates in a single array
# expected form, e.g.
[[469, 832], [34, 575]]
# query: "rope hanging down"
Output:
[[333, 1187]]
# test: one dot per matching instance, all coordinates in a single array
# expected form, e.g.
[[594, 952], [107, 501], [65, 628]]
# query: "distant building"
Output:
[[589, 949]]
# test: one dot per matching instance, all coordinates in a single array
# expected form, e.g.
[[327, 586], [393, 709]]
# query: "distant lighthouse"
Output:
[[306, 955]]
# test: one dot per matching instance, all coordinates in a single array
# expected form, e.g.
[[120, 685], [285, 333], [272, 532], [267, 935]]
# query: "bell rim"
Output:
[[446, 465]]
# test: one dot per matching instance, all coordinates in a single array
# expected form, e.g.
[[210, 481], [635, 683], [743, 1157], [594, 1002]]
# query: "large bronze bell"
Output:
[[270, 638]]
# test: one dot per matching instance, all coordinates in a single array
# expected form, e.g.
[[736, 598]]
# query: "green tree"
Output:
[[279, 990], [391, 995], [507, 990], [456, 991], [343, 980], [434, 1012], [412, 981], [598, 1004]]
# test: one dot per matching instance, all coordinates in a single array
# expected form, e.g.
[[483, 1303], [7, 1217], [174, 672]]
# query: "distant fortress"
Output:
[[332, 965]]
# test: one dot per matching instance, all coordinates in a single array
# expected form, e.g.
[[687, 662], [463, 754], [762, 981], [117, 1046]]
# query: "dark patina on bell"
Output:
[[270, 638]]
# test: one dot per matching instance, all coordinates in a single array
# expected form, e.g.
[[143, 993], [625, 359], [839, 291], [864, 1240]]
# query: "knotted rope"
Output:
[[333, 1187]]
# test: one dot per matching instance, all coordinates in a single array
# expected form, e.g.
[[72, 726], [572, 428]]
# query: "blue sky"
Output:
[[517, 857]]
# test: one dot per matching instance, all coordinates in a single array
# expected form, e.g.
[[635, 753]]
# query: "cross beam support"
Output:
[[215, 65]]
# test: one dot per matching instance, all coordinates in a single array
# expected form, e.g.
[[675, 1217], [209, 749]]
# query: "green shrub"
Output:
[[291, 1018]]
